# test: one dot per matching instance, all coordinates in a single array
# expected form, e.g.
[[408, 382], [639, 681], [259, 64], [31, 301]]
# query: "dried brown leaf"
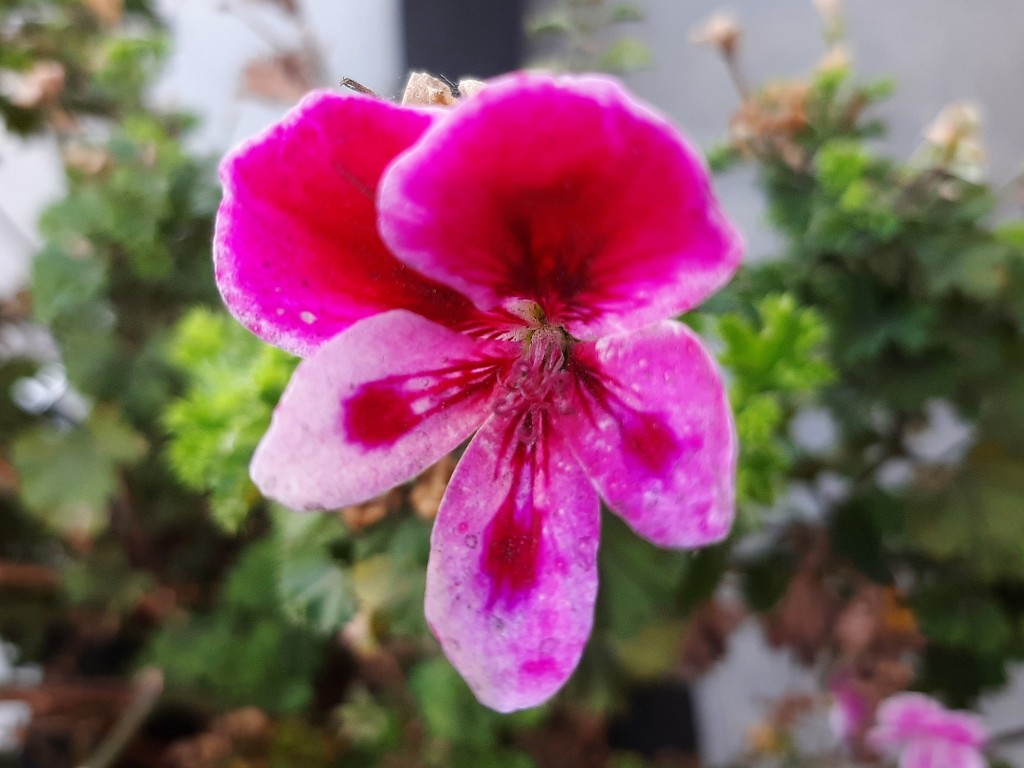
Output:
[[429, 488], [283, 78], [804, 616], [109, 12]]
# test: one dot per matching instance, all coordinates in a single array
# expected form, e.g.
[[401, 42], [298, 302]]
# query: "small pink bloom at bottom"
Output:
[[922, 733], [850, 709]]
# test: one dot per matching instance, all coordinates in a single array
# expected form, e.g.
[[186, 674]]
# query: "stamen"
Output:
[[538, 381]]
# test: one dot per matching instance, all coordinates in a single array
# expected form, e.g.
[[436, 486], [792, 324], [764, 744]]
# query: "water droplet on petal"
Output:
[[307, 317], [472, 541]]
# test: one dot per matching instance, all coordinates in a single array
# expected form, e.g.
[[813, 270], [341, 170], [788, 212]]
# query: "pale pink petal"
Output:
[[372, 408], [296, 252], [934, 753], [566, 192], [512, 576], [907, 716], [652, 427], [903, 717]]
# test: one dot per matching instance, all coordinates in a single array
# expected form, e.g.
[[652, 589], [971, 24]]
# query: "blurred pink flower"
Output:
[[923, 734], [850, 709], [503, 268]]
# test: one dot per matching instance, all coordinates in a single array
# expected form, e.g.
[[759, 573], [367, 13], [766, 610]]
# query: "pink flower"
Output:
[[850, 711], [923, 734], [502, 268]]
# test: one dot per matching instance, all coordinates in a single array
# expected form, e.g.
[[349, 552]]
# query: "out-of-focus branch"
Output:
[[149, 685], [28, 577]]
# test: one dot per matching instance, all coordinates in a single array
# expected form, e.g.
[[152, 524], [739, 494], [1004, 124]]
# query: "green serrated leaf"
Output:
[[234, 381], [315, 589], [69, 476], [979, 517]]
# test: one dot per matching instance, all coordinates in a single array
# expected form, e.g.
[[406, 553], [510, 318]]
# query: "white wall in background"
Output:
[[362, 40], [30, 179]]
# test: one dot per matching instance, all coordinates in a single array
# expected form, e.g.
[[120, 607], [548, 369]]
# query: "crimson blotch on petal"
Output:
[[505, 266]]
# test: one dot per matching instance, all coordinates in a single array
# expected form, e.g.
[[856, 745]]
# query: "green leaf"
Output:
[[861, 529], [765, 581], [234, 381], [628, 54], [626, 12], [315, 589], [782, 351], [639, 581], [64, 287], [69, 476], [979, 517], [451, 714], [555, 22], [841, 164], [366, 723], [243, 652], [969, 619]]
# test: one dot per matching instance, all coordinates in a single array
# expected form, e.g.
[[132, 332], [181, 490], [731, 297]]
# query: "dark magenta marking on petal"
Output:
[[647, 439], [380, 412], [512, 541], [544, 667]]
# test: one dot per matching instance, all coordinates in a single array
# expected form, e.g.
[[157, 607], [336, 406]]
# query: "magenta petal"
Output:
[[652, 428], [512, 576], [563, 191], [297, 254], [372, 408]]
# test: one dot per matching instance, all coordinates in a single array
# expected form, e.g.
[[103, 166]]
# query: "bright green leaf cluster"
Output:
[[772, 359], [233, 383]]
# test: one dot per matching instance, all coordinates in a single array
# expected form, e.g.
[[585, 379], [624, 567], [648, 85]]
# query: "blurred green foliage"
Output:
[[920, 293], [574, 35]]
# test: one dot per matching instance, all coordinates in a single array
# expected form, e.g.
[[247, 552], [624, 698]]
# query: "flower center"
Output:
[[538, 380]]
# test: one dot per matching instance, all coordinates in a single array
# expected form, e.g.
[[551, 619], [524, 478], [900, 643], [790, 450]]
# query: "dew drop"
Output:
[[472, 541], [307, 317]]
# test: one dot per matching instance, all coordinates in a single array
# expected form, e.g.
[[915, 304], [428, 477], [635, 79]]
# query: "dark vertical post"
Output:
[[463, 38]]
